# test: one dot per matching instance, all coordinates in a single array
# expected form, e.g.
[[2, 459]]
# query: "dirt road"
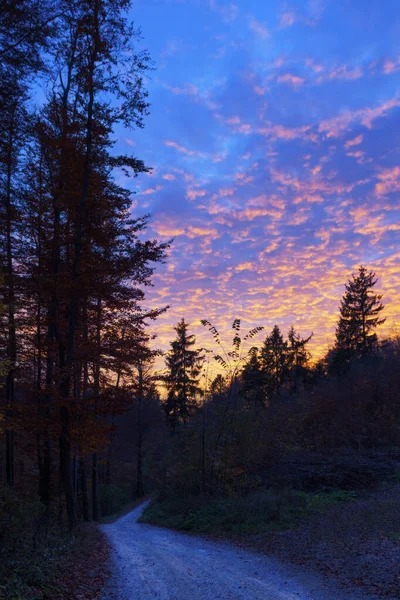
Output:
[[150, 563]]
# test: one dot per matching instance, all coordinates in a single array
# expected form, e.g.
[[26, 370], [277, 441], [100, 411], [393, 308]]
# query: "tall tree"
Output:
[[360, 311], [184, 365], [275, 360], [299, 356]]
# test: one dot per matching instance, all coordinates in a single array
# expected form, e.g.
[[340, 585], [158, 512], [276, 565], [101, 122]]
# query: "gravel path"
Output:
[[150, 563]]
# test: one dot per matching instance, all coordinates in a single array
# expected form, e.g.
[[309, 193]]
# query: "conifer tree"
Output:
[[360, 310], [254, 380], [299, 355], [184, 365], [275, 360]]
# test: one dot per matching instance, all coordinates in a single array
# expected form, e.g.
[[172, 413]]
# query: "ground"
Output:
[[154, 563]]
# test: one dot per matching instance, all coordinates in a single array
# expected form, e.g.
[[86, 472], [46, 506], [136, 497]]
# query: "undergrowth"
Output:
[[35, 549], [260, 511]]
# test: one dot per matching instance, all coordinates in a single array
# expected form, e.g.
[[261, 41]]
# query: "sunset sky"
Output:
[[274, 137]]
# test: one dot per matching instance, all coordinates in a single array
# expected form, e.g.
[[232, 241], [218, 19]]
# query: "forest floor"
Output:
[[150, 563], [351, 537]]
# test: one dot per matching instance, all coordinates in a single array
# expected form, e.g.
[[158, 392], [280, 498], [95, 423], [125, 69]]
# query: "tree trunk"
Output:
[[96, 390], [139, 470], [12, 339], [83, 489], [95, 496]]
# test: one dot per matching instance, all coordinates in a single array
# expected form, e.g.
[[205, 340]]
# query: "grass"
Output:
[[261, 511]]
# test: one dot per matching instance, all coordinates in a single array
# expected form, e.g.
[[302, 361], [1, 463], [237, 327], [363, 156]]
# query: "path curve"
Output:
[[151, 563]]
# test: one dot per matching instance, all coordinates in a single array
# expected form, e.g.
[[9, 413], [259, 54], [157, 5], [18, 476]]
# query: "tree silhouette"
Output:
[[184, 365], [360, 310]]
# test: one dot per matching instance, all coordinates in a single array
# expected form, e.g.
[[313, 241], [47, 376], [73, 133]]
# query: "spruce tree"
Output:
[[360, 310], [275, 360], [184, 365]]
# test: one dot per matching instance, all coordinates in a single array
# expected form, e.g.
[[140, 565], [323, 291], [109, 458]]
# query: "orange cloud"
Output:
[[389, 181]]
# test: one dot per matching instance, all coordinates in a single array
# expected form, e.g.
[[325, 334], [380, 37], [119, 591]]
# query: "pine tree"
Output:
[[275, 360], [360, 311], [184, 365], [299, 356], [254, 380]]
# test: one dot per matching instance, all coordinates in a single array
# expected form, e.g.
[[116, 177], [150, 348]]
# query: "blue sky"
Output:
[[274, 138]]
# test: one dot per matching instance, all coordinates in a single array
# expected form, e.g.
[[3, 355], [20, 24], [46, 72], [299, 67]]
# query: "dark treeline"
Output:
[[229, 432]]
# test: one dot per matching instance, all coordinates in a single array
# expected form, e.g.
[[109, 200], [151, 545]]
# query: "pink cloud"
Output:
[[258, 28], [390, 66], [233, 120], [284, 133], [150, 191], [169, 177], [389, 181], [195, 231], [228, 12], [294, 80], [287, 19], [317, 68], [193, 194], [335, 126], [342, 72], [354, 142], [186, 90], [182, 149]]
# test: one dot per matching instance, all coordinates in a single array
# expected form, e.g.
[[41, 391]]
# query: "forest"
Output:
[[230, 437]]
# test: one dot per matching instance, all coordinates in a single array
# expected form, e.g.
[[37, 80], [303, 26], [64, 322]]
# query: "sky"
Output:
[[274, 141]]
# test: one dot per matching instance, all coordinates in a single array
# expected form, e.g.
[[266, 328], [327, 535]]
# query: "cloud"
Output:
[[294, 80], [336, 126], [354, 141], [287, 19], [228, 12], [193, 194], [197, 231], [390, 66], [342, 72], [150, 191], [187, 90], [182, 149], [389, 181], [258, 28]]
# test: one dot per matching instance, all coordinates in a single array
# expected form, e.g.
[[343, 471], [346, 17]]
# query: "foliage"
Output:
[[184, 366], [359, 318]]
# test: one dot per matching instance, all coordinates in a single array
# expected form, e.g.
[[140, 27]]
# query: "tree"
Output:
[[184, 365], [275, 361], [360, 310], [299, 356], [254, 380]]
